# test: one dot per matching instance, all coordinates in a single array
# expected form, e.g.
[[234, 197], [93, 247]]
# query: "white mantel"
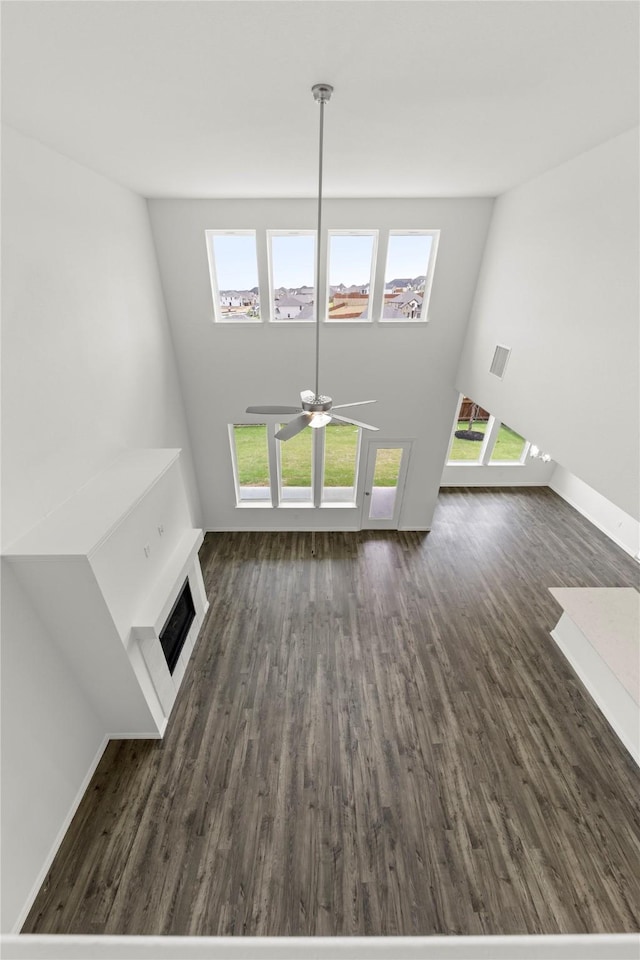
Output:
[[104, 570]]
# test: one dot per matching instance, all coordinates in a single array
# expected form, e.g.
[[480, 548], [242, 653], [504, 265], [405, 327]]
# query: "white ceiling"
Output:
[[212, 98]]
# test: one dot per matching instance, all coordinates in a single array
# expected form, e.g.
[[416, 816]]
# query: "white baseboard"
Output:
[[603, 529], [254, 528], [570, 947], [60, 835], [606, 516], [481, 481], [156, 735]]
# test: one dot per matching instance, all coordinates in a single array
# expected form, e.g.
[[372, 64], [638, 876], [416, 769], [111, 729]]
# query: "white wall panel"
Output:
[[560, 286], [408, 368]]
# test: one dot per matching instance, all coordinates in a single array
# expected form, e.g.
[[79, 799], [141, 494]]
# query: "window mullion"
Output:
[[234, 460], [274, 464], [490, 437], [264, 283], [377, 291]]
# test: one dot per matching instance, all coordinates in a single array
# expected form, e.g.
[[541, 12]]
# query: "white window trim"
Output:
[[512, 463], [213, 275], [251, 504], [286, 503], [274, 447], [289, 233], [263, 248], [340, 504], [428, 283], [374, 256], [487, 446]]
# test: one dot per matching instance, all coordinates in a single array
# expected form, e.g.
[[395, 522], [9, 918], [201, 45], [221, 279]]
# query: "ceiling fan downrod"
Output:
[[321, 94], [316, 410]]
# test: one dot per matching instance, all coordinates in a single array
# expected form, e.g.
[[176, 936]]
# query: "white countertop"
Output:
[[609, 618]]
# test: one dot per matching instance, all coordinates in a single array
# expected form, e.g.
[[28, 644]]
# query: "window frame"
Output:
[[213, 274], [274, 498], [286, 503], [429, 274], [290, 232], [508, 463], [487, 446], [360, 232], [339, 504], [240, 502]]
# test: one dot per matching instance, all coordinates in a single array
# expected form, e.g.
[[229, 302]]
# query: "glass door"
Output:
[[384, 484]]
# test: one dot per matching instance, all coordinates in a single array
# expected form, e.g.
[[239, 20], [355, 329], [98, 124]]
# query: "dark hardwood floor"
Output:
[[376, 735]]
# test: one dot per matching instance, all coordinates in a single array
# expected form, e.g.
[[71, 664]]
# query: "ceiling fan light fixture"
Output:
[[319, 420]]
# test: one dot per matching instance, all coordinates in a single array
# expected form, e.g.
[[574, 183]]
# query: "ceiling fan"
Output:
[[316, 410]]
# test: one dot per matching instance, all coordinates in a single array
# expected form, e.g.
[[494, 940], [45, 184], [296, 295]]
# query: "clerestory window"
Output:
[[408, 276], [233, 268]]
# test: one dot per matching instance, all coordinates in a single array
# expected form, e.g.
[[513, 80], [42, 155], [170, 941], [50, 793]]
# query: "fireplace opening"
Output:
[[174, 633]]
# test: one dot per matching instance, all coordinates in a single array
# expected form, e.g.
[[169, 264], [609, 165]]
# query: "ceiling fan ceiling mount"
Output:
[[322, 92], [315, 406]]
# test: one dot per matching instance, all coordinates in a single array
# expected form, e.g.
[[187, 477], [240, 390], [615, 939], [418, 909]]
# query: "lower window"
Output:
[[296, 467], [314, 468], [340, 468], [480, 439], [509, 447], [250, 458]]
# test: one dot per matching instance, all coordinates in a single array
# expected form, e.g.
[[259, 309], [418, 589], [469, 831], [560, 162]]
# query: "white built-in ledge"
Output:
[[599, 634], [104, 571]]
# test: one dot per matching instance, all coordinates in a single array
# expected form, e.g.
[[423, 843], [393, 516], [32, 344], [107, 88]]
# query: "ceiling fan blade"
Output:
[[307, 395], [294, 426], [272, 409], [357, 403], [356, 423]]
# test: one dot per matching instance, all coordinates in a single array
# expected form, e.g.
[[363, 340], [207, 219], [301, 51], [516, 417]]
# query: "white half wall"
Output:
[[88, 371], [408, 368], [560, 285], [617, 946], [606, 516]]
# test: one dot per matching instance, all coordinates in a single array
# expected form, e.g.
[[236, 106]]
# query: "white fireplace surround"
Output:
[[104, 571]]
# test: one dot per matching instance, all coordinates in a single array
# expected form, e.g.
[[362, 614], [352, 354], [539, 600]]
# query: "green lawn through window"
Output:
[[253, 465], [508, 446]]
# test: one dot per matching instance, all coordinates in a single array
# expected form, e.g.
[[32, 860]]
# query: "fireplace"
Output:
[[175, 631]]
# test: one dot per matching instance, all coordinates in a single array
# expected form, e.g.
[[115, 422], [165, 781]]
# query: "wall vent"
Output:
[[499, 362]]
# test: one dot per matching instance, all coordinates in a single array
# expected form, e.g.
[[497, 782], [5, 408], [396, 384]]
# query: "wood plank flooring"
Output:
[[376, 735]]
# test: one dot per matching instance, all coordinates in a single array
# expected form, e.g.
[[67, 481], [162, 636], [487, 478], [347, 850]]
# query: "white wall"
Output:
[[409, 369], [531, 473], [560, 285], [50, 737], [88, 367], [88, 370]]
